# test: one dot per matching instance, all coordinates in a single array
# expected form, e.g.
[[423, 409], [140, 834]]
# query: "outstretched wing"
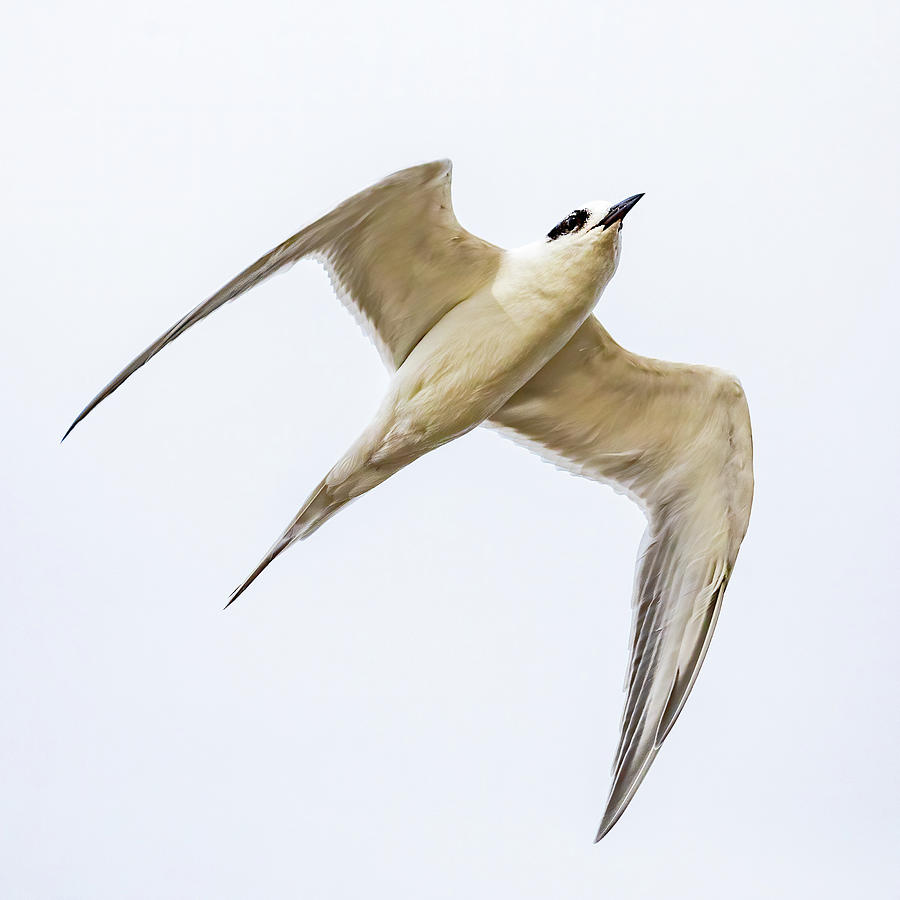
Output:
[[676, 439], [395, 253]]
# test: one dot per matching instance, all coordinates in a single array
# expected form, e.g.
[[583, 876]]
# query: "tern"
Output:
[[473, 334]]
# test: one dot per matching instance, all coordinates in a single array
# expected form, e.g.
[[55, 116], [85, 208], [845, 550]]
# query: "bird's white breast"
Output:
[[551, 287], [488, 346]]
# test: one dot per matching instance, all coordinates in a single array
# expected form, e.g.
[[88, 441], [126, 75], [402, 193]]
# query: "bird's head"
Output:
[[596, 226]]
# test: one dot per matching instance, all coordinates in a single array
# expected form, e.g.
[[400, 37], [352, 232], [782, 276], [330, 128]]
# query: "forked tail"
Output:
[[321, 505]]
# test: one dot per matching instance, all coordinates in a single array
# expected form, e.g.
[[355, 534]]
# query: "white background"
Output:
[[423, 700]]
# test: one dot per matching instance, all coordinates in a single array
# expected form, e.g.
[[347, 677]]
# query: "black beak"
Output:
[[618, 212]]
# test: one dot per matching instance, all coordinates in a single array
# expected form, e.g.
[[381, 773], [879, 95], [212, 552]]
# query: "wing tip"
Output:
[[611, 815], [78, 418], [626, 782], [605, 828]]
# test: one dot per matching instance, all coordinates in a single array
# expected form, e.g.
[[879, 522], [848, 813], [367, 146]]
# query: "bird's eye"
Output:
[[570, 223]]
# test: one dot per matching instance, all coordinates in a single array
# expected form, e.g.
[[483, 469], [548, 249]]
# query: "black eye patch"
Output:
[[571, 222]]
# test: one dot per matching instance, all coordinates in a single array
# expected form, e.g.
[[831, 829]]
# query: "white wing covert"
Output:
[[677, 439], [395, 251]]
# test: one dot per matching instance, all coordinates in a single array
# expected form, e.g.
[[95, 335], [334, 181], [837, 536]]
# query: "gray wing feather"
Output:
[[395, 251], [677, 440]]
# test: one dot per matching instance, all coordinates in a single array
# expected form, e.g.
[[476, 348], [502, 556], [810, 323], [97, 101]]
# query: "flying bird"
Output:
[[473, 334]]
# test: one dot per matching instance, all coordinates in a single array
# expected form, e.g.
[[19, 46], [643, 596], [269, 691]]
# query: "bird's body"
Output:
[[474, 334], [479, 354]]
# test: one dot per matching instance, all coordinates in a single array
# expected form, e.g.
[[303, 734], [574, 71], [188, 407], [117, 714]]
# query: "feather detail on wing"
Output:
[[677, 439], [395, 252]]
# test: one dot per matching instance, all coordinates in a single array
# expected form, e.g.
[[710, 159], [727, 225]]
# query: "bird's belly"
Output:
[[474, 359]]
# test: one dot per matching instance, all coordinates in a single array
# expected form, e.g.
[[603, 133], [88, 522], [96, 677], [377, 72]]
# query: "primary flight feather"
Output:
[[474, 334]]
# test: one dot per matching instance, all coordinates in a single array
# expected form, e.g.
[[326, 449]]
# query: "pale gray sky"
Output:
[[422, 701]]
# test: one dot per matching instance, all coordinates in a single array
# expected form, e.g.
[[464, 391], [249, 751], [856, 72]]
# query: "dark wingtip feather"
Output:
[[627, 780], [78, 418], [610, 817]]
